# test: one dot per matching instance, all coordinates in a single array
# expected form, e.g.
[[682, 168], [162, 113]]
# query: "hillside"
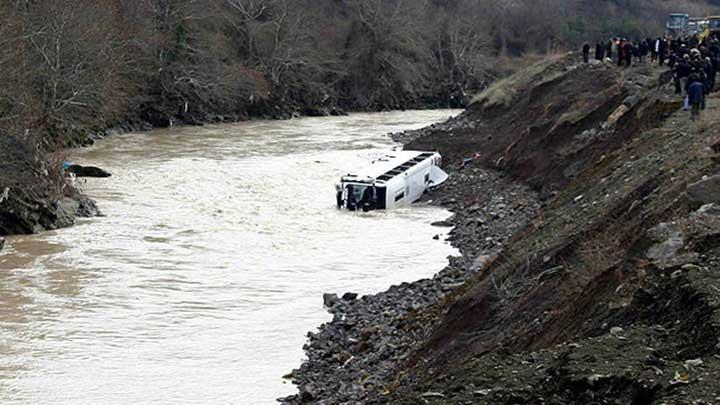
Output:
[[78, 71], [606, 291]]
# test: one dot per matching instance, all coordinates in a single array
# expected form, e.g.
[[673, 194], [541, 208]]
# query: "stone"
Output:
[[616, 115], [693, 363], [667, 252], [709, 209], [632, 100], [705, 191], [433, 395], [442, 224], [87, 171], [481, 262], [349, 296], [330, 300]]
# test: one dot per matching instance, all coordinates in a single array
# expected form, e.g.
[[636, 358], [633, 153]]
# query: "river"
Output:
[[208, 268]]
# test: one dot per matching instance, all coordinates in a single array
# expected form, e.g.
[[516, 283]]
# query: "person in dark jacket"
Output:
[[682, 72], [586, 52], [642, 51], [710, 74], [609, 49], [599, 51], [662, 51], [696, 95]]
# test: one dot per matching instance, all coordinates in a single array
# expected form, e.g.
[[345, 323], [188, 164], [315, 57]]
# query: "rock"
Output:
[[330, 300], [668, 253], [349, 296], [666, 250], [691, 267], [632, 101], [693, 363], [87, 171], [433, 395], [705, 191], [337, 112], [481, 262], [616, 330], [595, 378], [316, 112], [710, 209], [307, 394], [616, 115]]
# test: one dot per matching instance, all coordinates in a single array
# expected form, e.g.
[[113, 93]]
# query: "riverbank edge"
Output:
[[370, 338]]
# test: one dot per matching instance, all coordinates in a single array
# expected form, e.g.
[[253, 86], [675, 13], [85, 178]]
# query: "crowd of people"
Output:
[[694, 62]]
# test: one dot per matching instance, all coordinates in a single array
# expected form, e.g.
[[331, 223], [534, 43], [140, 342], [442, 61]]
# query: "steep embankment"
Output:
[[610, 292]]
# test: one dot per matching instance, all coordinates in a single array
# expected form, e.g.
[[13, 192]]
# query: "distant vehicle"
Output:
[[678, 24], [697, 26], [712, 25], [396, 179]]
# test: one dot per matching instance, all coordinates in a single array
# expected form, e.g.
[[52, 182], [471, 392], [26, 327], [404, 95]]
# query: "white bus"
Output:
[[394, 180]]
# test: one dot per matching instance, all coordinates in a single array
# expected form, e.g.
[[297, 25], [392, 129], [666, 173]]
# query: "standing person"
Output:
[[586, 52], [696, 95], [609, 49], [651, 47], [642, 51], [681, 74], [711, 75], [663, 53], [599, 51], [629, 50], [622, 50]]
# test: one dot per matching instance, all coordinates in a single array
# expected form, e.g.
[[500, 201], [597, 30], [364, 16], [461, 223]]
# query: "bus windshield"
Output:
[[358, 195]]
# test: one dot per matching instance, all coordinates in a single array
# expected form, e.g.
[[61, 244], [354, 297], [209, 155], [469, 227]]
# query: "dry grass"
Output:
[[504, 91]]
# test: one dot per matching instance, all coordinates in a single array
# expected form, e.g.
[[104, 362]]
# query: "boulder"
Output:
[[87, 171], [330, 300], [337, 112], [709, 209], [349, 296], [669, 247], [316, 112], [705, 191]]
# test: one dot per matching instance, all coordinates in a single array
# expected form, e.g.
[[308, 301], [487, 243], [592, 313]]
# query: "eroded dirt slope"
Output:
[[611, 294]]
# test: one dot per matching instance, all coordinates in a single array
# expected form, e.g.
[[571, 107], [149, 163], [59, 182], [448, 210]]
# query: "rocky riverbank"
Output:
[[357, 353], [35, 195], [599, 286]]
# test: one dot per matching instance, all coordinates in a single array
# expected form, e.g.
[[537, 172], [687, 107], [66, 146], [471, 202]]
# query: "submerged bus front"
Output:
[[394, 180]]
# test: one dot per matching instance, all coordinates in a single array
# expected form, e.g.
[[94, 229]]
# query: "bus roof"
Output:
[[388, 166]]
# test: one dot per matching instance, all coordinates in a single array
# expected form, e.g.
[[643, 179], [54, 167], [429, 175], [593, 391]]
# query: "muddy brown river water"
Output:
[[200, 283]]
